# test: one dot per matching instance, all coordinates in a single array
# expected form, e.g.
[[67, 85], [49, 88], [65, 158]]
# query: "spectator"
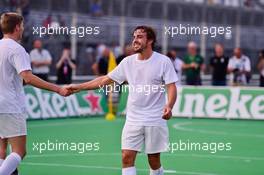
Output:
[[219, 64], [127, 51], [239, 67], [96, 8], [40, 60], [65, 66], [178, 64], [261, 68], [194, 64], [100, 67]]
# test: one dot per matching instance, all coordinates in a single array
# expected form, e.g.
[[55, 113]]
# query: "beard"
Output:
[[139, 47]]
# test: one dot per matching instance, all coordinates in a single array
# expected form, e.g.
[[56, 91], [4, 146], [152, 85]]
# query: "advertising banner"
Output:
[[211, 102]]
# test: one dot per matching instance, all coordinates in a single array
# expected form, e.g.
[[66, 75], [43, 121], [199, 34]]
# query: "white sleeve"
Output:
[[32, 55], [118, 74], [230, 64], [247, 65], [47, 55], [20, 60], [169, 74]]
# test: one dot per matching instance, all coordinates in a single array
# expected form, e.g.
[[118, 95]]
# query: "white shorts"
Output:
[[155, 139], [12, 125]]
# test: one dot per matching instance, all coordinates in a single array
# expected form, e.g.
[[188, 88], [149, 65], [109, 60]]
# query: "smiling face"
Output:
[[140, 41]]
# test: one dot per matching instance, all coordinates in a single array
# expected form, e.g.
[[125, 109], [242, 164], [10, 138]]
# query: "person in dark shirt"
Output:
[[194, 64], [260, 67], [127, 51], [64, 67], [218, 64], [103, 65]]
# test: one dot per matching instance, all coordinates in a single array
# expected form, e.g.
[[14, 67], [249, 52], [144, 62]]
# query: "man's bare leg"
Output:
[[155, 165], [128, 162], [13, 160], [3, 148]]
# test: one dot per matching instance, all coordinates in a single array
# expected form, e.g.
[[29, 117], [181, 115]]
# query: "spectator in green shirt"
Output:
[[194, 64]]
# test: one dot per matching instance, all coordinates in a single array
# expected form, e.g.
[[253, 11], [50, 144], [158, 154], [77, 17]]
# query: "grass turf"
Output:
[[246, 156]]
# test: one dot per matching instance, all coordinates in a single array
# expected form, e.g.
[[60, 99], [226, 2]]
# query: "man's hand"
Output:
[[63, 91], [194, 65], [73, 88], [35, 63], [167, 113]]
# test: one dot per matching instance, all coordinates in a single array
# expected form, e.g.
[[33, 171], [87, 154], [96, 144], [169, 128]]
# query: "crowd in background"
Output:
[[238, 66], [192, 65]]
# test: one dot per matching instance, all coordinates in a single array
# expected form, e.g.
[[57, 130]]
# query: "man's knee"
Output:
[[128, 158], [21, 152], [154, 161]]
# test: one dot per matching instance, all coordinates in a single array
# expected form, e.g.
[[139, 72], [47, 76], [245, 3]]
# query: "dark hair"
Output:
[[9, 21], [262, 54], [151, 34]]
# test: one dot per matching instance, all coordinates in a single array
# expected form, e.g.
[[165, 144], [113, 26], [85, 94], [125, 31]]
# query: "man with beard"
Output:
[[146, 112]]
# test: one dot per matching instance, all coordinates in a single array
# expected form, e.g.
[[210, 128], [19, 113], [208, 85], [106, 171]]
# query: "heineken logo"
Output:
[[220, 103], [44, 104]]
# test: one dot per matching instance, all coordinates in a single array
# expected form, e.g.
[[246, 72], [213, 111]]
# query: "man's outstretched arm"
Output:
[[90, 85], [33, 80]]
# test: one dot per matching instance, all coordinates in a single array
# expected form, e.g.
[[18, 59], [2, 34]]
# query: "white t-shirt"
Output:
[[145, 107], [44, 55], [242, 64], [13, 60], [177, 63]]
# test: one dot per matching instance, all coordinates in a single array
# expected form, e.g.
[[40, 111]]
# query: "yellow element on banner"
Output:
[[110, 115], [111, 65], [111, 62]]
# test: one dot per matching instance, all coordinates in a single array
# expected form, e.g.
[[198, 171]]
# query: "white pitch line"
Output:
[[112, 168], [83, 122], [181, 127], [164, 154]]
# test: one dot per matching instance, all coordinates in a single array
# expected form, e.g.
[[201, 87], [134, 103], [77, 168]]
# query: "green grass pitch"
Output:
[[245, 158]]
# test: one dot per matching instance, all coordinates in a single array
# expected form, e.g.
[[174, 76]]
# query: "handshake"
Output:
[[68, 90]]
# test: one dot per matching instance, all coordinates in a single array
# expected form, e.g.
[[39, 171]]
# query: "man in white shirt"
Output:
[[239, 67], [147, 112], [40, 60], [178, 65], [14, 68]]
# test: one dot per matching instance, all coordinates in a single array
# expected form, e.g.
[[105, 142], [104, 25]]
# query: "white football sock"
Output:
[[10, 164], [1, 161], [129, 171], [156, 172]]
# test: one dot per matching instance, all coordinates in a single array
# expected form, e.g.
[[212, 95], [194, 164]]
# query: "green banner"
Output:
[[45, 104], [212, 102]]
